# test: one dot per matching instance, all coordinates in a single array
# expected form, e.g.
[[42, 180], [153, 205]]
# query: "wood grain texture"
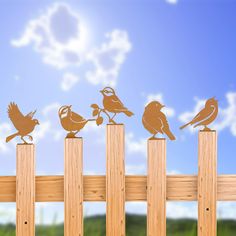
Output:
[[156, 188], [25, 190], [115, 181], [207, 183], [73, 187], [179, 188]]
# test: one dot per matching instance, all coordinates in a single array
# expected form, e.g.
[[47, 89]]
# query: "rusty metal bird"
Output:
[[206, 116], [24, 124], [113, 104], [154, 120], [71, 121]]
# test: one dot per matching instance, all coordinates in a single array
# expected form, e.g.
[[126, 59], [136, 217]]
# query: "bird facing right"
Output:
[[206, 116], [154, 120]]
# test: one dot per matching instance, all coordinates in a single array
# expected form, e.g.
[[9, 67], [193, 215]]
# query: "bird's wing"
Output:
[[16, 116], [76, 118], [31, 114], [117, 104], [164, 122], [203, 114], [211, 111]]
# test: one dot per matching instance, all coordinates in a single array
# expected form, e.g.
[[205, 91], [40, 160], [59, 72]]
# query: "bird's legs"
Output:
[[71, 134], [206, 128], [154, 136], [22, 138], [112, 119]]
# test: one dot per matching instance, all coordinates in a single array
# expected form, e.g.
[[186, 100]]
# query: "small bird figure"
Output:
[[24, 124], [154, 120], [71, 121], [113, 104], [206, 116]]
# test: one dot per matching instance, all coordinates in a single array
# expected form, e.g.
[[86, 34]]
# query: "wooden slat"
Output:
[[207, 183], [156, 188], [179, 188], [25, 190], [73, 187], [115, 181]]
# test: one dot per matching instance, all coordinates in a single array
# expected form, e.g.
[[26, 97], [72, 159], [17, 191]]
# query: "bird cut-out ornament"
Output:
[[206, 116], [155, 121], [112, 106], [24, 124], [71, 121]]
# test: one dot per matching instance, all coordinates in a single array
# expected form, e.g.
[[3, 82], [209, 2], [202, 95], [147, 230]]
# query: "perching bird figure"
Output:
[[113, 104], [71, 121], [24, 124], [154, 120], [206, 116]]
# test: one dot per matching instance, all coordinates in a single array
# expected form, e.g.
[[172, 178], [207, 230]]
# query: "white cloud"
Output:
[[135, 146], [172, 1], [226, 117], [49, 125], [5, 130], [169, 111], [58, 35], [68, 81], [61, 37], [108, 58]]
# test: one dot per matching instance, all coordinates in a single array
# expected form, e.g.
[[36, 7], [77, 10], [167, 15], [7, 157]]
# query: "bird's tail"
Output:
[[169, 134], [184, 126], [9, 138], [128, 113]]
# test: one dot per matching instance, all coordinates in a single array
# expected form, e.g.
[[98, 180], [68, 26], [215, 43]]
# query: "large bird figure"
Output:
[[24, 124], [206, 116], [71, 121], [113, 104], [154, 120]]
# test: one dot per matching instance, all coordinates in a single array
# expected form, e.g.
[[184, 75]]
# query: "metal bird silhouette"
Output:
[[111, 104], [71, 121], [206, 116], [154, 120], [24, 124]]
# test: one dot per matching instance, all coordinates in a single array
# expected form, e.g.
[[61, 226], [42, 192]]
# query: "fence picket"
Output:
[[207, 183], [73, 187], [156, 188], [115, 181], [25, 190]]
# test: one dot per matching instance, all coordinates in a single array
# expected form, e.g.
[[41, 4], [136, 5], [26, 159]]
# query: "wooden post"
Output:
[[207, 183], [25, 190], [156, 187], [115, 181], [73, 187]]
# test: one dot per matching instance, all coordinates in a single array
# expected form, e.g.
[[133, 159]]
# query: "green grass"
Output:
[[135, 226]]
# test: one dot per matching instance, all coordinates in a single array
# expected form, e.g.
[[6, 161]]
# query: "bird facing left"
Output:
[[24, 124]]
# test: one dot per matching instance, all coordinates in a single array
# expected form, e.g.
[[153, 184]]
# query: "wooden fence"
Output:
[[116, 188]]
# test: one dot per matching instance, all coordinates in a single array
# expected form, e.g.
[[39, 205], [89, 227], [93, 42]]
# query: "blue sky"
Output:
[[179, 52]]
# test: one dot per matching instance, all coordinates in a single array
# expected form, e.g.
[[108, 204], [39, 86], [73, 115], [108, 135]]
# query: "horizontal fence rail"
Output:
[[178, 188], [115, 188]]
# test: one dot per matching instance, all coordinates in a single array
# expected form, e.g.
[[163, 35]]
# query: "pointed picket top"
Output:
[[24, 124], [206, 116], [112, 106], [155, 121]]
